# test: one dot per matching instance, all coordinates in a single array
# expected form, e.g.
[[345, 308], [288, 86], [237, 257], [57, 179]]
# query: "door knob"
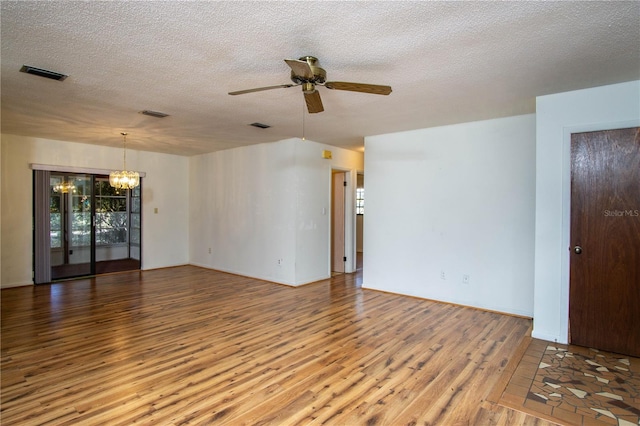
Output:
[[577, 249]]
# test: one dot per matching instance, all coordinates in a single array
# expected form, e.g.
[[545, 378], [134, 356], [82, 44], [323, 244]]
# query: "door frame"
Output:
[[566, 210], [349, 219], [338, 225], [66, 220]]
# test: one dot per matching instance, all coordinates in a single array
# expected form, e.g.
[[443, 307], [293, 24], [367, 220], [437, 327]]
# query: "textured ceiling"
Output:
[[447, 62]]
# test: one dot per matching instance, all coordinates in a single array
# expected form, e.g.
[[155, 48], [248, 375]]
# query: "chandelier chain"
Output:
[[124, 179], [124, 154]]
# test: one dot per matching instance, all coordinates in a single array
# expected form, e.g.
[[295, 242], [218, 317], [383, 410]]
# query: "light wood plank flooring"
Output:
[[188, 345]]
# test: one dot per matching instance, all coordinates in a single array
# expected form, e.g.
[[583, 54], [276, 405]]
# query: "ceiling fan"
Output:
[[306, 72]]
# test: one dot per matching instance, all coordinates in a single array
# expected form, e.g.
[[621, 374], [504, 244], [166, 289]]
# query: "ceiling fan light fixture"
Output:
[[308, 88]]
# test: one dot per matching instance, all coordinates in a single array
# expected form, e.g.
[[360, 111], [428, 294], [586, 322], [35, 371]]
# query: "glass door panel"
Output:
[[72, 232], [135, 230], [117, 227]]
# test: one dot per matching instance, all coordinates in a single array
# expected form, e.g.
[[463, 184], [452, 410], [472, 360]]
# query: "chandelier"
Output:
[[124, 179], [64, 187]]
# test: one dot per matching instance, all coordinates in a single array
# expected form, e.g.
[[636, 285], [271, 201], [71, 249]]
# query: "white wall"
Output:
[[242, 207], [559, 115], [257, 205], [164, 237], [455, 199]]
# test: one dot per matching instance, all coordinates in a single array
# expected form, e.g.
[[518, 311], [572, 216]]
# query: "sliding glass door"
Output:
[[83, 226]]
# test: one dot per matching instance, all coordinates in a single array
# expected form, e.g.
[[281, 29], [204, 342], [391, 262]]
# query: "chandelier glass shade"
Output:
[[124, 179]]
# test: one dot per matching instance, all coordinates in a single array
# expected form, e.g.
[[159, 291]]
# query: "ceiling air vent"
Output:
[[260, 125], [43, 73], [156, 114]]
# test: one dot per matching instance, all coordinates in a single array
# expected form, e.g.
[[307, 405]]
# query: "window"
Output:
[[111, 214], [81, 214], [135, 212], [55, 212], [359, 200]]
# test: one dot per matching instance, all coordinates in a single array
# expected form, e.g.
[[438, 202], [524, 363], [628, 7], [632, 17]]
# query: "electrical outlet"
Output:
[[280, 262], [442, 275], [465, 279], [209, 250]]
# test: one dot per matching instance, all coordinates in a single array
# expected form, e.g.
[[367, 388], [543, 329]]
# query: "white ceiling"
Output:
[[447, 62]]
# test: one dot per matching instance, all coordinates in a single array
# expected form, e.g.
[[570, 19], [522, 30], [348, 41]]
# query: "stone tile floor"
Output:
[[576, 386]]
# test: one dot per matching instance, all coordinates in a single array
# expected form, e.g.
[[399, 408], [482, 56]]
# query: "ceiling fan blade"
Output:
[[374, 89], [300, 68], [314, 103], [260, 89]]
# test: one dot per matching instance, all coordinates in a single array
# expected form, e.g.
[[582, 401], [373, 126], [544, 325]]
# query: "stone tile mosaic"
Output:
[[586, 386]]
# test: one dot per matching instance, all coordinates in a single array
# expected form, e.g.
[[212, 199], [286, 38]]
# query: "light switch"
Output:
[[155, 210]]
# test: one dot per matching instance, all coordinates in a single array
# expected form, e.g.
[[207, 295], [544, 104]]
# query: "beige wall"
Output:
[[165, 234]]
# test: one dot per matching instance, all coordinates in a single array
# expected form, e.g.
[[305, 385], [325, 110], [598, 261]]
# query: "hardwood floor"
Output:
[[60, 272], [189, 345]]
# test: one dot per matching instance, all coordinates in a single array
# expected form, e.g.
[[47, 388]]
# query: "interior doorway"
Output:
[[338, 200]]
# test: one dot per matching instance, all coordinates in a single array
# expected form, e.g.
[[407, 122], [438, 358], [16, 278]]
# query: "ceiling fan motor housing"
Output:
[[319, 74]]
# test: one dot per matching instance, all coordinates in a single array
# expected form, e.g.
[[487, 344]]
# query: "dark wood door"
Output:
[[604, 296]]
